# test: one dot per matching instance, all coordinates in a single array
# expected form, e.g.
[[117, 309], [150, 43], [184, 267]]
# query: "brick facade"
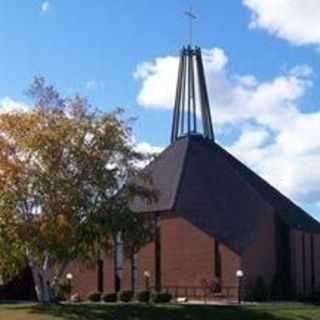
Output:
[[188, 258], [259, 259], [85, 277], [305, 277]]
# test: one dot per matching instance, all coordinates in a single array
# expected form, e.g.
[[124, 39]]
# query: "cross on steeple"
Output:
[[191, 114], [191, 17]]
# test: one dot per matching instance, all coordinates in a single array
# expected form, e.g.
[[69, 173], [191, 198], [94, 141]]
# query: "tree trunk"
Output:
[[40, 279], [41, 284]]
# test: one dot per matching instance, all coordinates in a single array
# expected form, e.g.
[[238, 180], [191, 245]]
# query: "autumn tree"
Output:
[[62, 165], [133, 230], [137, 231], [12, 257]]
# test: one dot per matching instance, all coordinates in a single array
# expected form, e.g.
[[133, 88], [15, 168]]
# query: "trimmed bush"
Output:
[[144, 296], [280, 288], [110, 297], [260, 291], [276, 288], [126, 296], [94, 297], [63, 290], [162, 297]]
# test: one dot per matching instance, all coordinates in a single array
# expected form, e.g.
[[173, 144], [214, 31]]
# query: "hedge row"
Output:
[[127, 296]]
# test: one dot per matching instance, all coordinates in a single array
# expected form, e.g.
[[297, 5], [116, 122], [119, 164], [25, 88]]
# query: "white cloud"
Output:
[[296, 21], [45, 7], [10, 105], [278, 140], [290, 160], [235, 98], [147, 148], [159, 77]]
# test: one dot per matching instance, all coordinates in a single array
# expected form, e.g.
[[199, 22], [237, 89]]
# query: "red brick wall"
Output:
[[296, 244], [230, 264], [187, 253], [294, 266], [297, 258], [317, 261], [308, 262], [85, 277], [259, 259], [126, 275], [145, 262], [187, 256], [297, 262]]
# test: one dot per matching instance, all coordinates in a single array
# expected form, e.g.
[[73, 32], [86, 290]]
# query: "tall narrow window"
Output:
[[118, 262], [283, 256], [134, 273], [99, 268], [217, 265], [312, 263], [157, 254], [303, 244]]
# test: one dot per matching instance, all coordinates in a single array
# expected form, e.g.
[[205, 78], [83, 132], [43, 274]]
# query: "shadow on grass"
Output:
[[173, 312]]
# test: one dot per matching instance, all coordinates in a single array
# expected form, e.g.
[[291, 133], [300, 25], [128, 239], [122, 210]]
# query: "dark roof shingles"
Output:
[[165, 173], [201, 181]]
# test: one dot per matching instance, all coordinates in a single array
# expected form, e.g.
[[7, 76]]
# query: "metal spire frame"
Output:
[[191, 93]]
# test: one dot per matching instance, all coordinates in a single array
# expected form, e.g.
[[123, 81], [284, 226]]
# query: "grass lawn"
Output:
[[163, 312]]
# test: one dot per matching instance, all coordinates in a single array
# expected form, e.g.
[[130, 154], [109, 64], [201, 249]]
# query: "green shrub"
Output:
[[144, 296], [126, 296], [162, 297], [94, 296], [260, 291], [280, 288], [110, 297], [276, 289], [63, 290]]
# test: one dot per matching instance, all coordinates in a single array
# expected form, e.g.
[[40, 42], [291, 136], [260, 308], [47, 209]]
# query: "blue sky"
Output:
[[262, 70]]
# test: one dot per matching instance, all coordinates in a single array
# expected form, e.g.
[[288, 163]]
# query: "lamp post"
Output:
[[239, 275], [147, 276], [69, 278]]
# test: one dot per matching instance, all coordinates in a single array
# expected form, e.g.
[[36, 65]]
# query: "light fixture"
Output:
[[239, 274], [69, 276], [147, 274]]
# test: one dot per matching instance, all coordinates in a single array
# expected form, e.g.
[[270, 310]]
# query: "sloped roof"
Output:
[[165, 172], [202, 182]]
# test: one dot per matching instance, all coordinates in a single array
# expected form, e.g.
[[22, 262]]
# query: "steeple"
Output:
[[191, 109]]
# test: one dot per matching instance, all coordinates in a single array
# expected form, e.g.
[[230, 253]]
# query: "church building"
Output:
[[219, 225]]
